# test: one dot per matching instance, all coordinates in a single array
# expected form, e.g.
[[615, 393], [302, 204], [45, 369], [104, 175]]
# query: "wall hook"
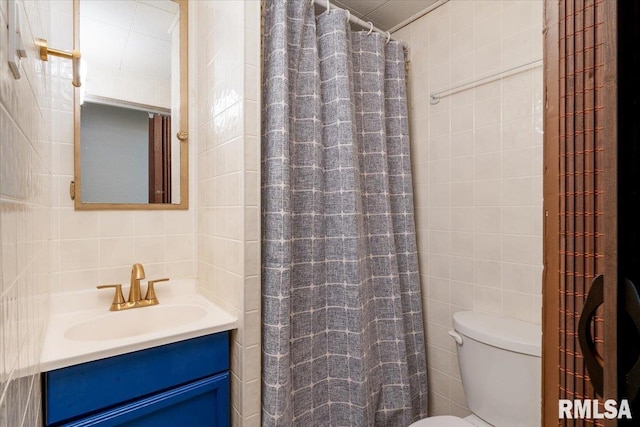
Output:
[[16, 49]]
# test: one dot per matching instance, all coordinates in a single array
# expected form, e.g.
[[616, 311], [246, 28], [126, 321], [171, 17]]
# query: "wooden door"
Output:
[[576, 190], [591, 318], [159, 158]]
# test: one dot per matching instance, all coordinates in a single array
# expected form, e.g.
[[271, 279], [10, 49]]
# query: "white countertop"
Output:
[[69, 309]]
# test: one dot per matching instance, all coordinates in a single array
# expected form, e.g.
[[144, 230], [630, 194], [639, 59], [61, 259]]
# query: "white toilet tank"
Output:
[[500, 368]]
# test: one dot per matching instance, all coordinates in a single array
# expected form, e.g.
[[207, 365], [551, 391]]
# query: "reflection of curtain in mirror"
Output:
[[159, 158]]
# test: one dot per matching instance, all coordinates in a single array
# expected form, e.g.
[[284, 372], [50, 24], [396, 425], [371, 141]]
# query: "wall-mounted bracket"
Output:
[[15, 45], [45, 51]]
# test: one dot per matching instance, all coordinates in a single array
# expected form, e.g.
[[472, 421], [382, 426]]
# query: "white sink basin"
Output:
[[133, 322], [82, 329]]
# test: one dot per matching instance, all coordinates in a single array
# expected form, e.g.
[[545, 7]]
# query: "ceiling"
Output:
[[132, 35], [128, 35], [384, 14]]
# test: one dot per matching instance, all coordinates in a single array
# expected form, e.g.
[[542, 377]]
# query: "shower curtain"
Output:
[[343, 341]]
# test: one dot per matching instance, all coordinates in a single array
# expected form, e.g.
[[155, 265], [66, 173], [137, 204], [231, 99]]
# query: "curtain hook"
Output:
[[370, 27], [328, 7], [348, 16], [388, 36]]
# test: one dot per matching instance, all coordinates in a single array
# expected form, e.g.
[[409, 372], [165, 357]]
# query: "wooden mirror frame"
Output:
[[76, 184]]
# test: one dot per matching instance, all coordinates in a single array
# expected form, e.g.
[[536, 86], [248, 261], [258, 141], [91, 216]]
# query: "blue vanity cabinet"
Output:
[[184, 383]]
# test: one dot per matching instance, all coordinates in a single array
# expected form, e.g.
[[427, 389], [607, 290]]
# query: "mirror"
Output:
[[131, 112]]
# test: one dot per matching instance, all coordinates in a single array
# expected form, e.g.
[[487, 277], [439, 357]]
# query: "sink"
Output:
[[82, 329], [134, 322]]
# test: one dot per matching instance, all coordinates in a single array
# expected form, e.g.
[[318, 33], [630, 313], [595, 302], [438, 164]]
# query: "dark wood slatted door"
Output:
[[159, 158], [591, 319], [577, 191]]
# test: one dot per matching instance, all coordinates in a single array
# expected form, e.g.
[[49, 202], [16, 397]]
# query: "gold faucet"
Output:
[[137, 274], [135, 295]]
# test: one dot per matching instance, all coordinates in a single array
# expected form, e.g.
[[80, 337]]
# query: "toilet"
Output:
[[499, 361]]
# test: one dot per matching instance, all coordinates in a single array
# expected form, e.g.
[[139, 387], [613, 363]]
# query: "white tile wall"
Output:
[[477, 172], [25, 159], [98, 247], [228, 123], [47, 244]]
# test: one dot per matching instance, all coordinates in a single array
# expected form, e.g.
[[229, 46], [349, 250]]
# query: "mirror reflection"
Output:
[[129, 102]]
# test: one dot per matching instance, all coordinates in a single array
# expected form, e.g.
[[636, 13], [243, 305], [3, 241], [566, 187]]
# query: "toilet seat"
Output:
[[441, 421]]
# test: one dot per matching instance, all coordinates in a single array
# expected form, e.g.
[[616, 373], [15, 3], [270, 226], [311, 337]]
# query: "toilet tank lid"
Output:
[[502, 332]]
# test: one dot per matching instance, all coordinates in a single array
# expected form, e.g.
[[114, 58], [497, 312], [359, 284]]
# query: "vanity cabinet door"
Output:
[[93, 387], [204, 403]]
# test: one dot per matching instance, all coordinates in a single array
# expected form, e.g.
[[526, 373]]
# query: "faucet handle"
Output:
[[118, 298], [151, 293]]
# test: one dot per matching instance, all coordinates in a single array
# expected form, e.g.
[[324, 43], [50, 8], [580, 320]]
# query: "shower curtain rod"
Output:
[[355, 20]]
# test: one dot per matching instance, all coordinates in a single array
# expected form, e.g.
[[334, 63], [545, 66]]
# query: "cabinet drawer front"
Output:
[[90, 387], [204, 403]]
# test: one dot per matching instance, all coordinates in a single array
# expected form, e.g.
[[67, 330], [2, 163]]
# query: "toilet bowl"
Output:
[[499, 361], [451, 421], [442, 421]]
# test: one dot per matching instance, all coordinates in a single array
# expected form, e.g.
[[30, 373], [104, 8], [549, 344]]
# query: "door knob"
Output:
[[592, 360], [632, 308]]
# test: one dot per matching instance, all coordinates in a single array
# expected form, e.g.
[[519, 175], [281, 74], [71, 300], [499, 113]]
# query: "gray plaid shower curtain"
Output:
[[343, 341]]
